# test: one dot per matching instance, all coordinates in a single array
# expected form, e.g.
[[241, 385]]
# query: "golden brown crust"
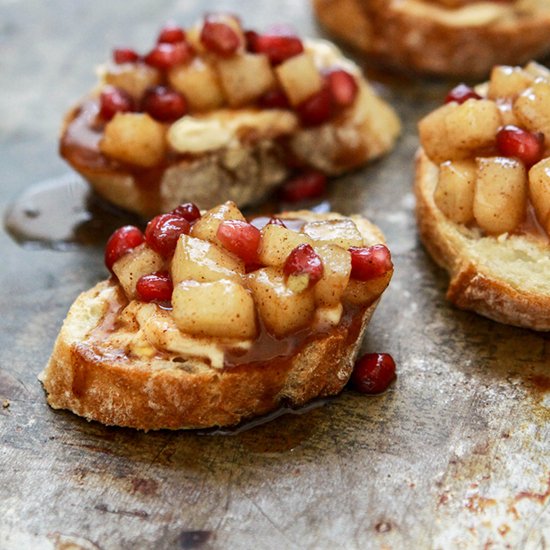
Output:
[[156, 394], [477, 282], [424, 37]]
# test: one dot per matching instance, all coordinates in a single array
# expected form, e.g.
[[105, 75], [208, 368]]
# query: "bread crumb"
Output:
[[5, 404]]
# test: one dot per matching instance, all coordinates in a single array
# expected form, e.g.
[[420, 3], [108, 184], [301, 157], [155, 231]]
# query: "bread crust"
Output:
[[427, 37], [149, 394], [475, 284]]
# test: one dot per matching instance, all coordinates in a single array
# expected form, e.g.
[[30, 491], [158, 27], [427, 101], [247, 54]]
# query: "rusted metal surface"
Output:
[[455, 455]]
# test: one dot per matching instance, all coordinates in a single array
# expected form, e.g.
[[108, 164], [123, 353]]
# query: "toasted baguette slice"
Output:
[[463, 39], [504, 278], [156, 389], [240, 153]]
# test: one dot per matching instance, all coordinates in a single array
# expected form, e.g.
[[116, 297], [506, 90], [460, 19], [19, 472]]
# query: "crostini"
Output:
[[483, 195], [444, 37], [216, 112], [209, 320]]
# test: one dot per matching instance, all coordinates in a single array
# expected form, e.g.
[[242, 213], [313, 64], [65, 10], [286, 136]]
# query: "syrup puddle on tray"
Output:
[[62, 213]]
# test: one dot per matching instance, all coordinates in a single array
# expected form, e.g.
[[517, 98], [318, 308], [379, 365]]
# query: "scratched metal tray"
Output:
[[455, 455]]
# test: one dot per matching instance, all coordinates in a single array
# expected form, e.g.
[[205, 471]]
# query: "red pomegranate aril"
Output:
[[461, 93], [125, 55], [114, 100], [274, 99], [155, 287], [164, 55], [171, 34], [343, 87], [163, 231], [250, 38], [370, 262], [303, 260], [241, 238], [526, 146], [276, 221], [164, 104], [220, 38], [317, 109], [373, 373], [278, 48], [120, 242], [308, 185], [188, 210]]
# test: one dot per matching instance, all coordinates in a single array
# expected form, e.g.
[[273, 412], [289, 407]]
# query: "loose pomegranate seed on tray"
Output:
[[373, 373]]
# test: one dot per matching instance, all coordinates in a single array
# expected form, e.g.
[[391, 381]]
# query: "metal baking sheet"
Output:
[[455, 455]]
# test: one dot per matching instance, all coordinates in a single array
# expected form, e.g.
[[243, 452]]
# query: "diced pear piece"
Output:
[[532, 108], [199, 83], [198, 260], [508, 82], [134, 138], [537, 70], [277, 243], [336, 270], [342, 232], [454, 194], [473, 125], [281, 310], [363, 293], [206, 227], [245, 77], [299, 77], [539, 192], [133, 78], [433, 135], [221, 308], [500, 194], [131, 266]]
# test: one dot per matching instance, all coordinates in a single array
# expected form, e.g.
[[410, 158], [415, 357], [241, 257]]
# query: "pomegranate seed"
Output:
[[276, 221], [343, 87], [522, 144], [114, 100], [164, 104], [241, 238], [278, 48], [170, 34], [303, 268], [162, 233], [250, 38], [373, 373], [155, 287], [461, 93], [121, 241], [164, 56], [274, 99], [125, 55], [305, 186], [219, 38], [370, 262], [316, 109], [187, 210]]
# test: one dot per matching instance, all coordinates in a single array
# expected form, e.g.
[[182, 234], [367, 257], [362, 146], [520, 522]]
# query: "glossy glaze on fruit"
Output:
[[491, 144]]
